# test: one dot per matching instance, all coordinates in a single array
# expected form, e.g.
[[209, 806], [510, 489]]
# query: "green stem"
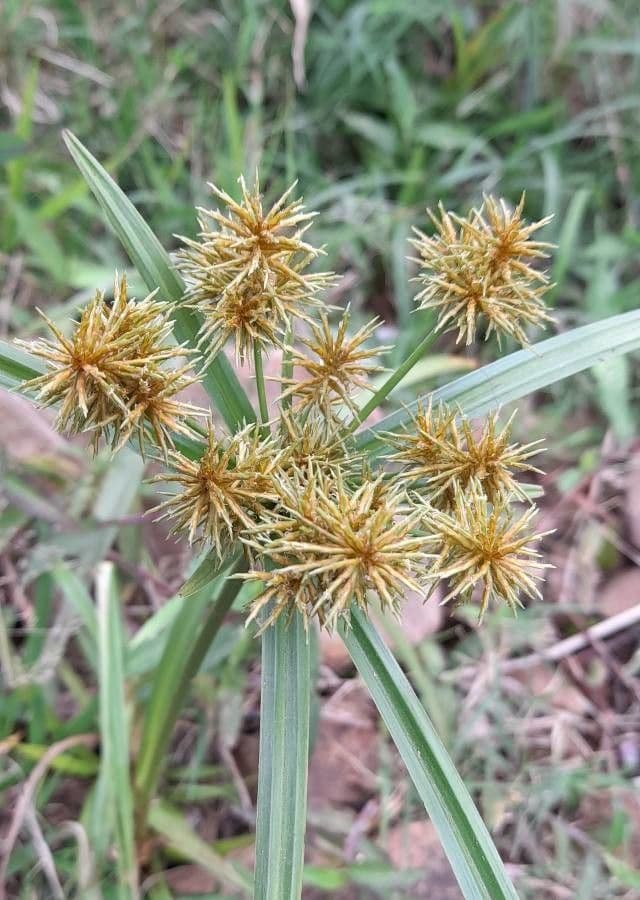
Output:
[[287, 366], [283, 761], [392, 381], [262, 391]]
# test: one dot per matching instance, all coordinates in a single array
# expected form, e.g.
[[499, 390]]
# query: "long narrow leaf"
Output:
[[526, 371], [179, 835], [17, 366], [154, 265], [114, 732], [465, 839], [190, 637], [283, 762]]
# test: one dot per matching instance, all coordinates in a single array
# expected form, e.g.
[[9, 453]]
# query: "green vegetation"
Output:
[[396, 107]]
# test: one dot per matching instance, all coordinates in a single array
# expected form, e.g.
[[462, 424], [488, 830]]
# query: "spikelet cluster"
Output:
[[484, 545], [339, 544], [110, 375], [225, 491], [246, 272], [482, 269], [324, 529], [333, 365], [440, 452]]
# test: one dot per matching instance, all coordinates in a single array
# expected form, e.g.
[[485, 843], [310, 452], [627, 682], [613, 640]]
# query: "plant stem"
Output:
[[392, 381], [283, 761], [262, 391], [287, 366]]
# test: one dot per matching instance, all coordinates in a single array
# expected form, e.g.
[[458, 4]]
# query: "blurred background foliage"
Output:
[[379, 108]]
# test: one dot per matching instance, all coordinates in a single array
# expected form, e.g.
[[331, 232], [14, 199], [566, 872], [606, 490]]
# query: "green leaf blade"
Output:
[[283, 761], [525, 371], [201, 615], [114, 728], [154, 265], [465, 839]]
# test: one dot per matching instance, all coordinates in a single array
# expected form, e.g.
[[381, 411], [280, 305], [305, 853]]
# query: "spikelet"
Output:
[[101, 373], [333, 366], [153, 409], [224, 491], [480, 268], [311, 439], [483, 544], [441, 450], [283, 593]]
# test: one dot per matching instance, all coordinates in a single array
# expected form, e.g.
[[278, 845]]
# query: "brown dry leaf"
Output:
[[415, 845], [27, 436], [620, 592]]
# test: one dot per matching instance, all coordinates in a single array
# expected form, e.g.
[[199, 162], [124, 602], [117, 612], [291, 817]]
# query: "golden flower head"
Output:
[[310, 438], [484, 544], [153, 407], [246, 272], [99, 373], [442, 450], [255, 310], [245, 237], [222, 492], [346, 542], [480, 267], [335, 365]]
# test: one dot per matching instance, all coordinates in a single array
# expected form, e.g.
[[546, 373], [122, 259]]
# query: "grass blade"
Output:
[[202, 617], [526, 371], [114, 731], [154, 265], [17, 366], [77, 596], [464, 836], [283, 762], [179, 835]]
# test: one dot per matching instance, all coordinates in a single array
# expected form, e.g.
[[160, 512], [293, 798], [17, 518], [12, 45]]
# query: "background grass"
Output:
[[390, 107]]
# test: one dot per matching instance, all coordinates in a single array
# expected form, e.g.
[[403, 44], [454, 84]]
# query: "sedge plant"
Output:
[[313, 514]]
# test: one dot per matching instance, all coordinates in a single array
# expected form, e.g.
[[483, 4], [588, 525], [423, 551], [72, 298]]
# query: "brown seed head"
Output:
[[480, 267], [334, 367], [352, 540], [99, 373], [485, 544], [246, 272], [255, 310], [442, 451], [224, 491]]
